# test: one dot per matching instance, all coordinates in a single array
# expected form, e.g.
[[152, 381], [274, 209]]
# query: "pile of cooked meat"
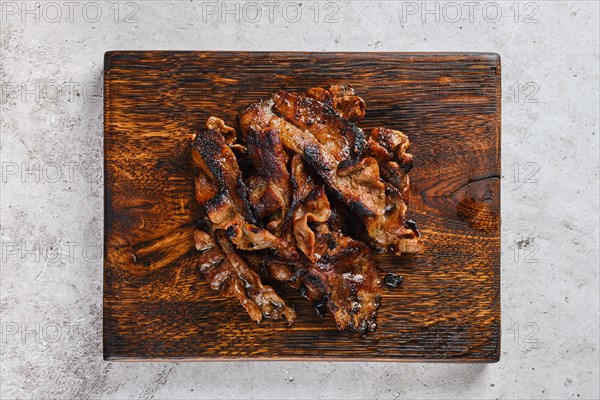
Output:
[[299, 194]]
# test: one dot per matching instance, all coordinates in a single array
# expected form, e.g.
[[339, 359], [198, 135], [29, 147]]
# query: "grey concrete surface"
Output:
[[51, 195]]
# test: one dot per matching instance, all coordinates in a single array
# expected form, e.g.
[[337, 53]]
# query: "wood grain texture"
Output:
[[156, 304]]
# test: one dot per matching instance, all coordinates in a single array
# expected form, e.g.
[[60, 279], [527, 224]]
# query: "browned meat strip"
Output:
[[340, 138], [394, 169], [354, 287], [227, 272], [393, 173], [348, 281], [270, 161], [315, 209], [219, 169], [222, 192], [276, 220], [389, 232], [358, 185], [343, 100]]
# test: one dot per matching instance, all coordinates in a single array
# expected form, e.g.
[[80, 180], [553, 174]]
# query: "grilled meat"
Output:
[[222, 192], [390, 232], [362, 174], [227, 272], [342, 139], [343, 100], [270, 187], [350, 287], [313, 186]]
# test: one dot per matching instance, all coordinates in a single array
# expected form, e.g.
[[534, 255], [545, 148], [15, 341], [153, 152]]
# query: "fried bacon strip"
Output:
[[345, 181], [344, 268], [227, 272], [372, 179], [275, 220], [222, 192], [270, 192], [390, 147], [343, 100], [339, 137]]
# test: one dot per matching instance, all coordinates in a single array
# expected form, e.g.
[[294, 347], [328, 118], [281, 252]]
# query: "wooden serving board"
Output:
[[156, 304]]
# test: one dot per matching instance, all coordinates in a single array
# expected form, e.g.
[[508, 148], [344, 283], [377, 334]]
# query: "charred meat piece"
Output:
[[227, 272], [356, 181], [313, 189], [388, 233], [343, 100], [272, 199], [342, 276], [393, 173], [340, 138], [348, 283], [315, 210], [358, 184], [399, 163], [223, 194], [354, 287], [220, 172], [393, 280]]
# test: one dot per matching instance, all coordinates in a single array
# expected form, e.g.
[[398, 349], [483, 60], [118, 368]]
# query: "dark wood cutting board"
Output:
[[156, 304]]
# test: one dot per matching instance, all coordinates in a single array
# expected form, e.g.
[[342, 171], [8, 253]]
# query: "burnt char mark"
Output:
[[407, 166], [315, 282], [218, 200], [321, 306], [391, 191], [331, 243], [242, 191], [252, 138], [312, 156], [393, 280], [359, 208], [327, 109], [294, 183], [275, 160], [302, 290], [360, 140], [265, 147], [231, 231], [346, 163], [349, 252], [412, 225], [271, 138], [203, 225], [209, 144], [313, 194]]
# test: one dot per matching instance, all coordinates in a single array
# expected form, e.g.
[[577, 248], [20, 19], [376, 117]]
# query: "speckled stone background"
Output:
[[51, 200]]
